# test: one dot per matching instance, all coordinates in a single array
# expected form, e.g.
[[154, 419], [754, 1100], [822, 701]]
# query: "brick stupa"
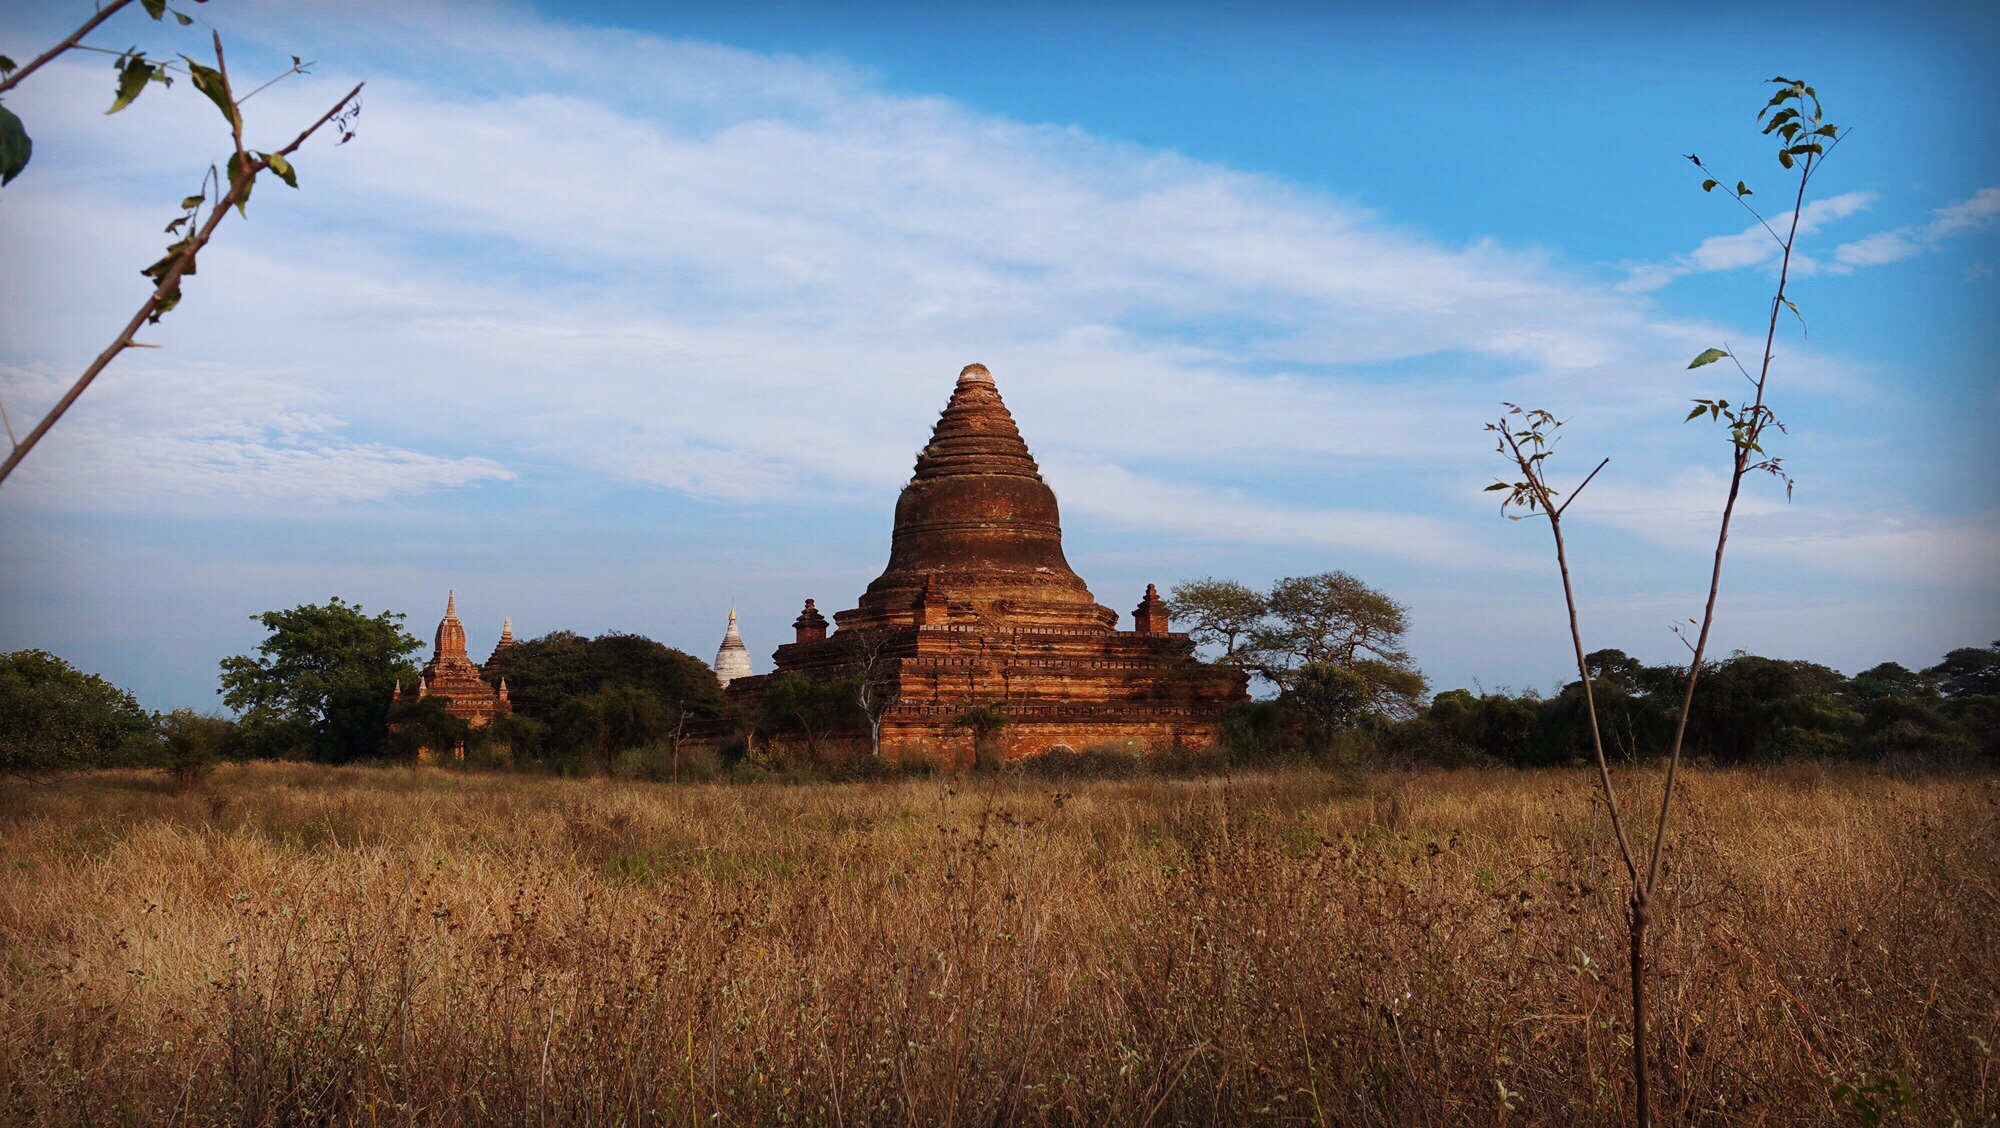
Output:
[[979, 607]]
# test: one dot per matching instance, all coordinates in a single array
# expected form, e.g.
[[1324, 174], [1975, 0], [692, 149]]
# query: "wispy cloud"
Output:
[[153, 436], [753, 279], [1973, 213], [1755, 245]]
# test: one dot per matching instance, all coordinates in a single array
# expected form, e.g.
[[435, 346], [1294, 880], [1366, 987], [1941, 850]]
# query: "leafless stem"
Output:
[[1534, 477], [1580, 485]]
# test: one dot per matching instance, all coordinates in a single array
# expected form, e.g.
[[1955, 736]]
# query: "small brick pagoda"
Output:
[[451, 675], [978, 607]]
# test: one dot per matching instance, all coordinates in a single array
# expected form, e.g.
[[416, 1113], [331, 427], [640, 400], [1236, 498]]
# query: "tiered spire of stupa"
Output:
[[732, 661], [977, 523], [979, 608]]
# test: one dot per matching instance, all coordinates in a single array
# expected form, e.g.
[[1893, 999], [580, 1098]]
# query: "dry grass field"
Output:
[[295, 945]]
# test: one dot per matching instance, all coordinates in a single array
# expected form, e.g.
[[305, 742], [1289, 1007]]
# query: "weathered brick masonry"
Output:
[[978, 606]]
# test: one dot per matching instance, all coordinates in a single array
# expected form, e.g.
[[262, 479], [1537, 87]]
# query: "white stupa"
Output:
[[732, 661]]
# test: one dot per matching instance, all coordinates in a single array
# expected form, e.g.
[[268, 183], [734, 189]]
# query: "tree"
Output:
[[1331, 617], [877, 690], [1969, 671], [986, 722], [322, 686], [1332, 698], [54, 717], [796, 704], [544, 673], [220, 190], [191, 743], [1216, 613], [1891, 679], [426, 726], [509, 738], [1526, 439]]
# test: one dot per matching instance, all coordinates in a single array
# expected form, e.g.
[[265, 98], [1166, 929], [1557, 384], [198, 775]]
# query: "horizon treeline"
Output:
[[616, 704]]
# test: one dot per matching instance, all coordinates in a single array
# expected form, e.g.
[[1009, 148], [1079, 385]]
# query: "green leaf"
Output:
[[1781, 117], [282, 167], [1696, 413], [15, 148], [1496, 486], [192, 201], [133, 74], [209, 81], [1827, 131], [155, 8], [1708, 356], [1707, 185], [6, 65], [239, 169], [176, 225], [1785, 158], [185, 19], [159, 269], [1743, 189]]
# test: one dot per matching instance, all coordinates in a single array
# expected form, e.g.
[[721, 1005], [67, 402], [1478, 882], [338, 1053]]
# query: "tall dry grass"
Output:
[[375, 946]]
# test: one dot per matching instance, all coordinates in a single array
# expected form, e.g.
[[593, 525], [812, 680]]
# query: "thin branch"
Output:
[[1746, 203], [1580, 485], [297, 68], [89, 26], [169, 284], [1554, 514]]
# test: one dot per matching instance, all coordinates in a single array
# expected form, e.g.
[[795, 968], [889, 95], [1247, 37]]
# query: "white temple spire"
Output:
[[732, 661]]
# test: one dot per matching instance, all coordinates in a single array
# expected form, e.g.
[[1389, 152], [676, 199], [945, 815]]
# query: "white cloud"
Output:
[[1976, 211], [153, 436], [1129, 501], [754, 279], [1755, 245]]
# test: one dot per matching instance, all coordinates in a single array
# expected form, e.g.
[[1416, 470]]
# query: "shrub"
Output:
[[190, 745]]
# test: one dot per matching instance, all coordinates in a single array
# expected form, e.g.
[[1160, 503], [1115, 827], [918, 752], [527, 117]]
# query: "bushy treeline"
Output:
[[618, 704], [1747, 709], [55, 717], [615, 703]]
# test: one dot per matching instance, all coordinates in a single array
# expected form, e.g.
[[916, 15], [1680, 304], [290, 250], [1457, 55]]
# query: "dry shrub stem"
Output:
[[1533, 493], [405, 946]]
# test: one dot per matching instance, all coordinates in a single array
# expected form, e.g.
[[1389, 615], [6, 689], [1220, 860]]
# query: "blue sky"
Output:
[[612, 315]]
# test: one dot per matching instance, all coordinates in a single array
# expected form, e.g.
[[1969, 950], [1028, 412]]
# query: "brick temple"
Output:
[[453, 676], [978, 607]]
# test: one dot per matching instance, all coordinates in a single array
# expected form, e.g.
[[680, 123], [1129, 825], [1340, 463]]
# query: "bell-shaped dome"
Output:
[[978, 527]]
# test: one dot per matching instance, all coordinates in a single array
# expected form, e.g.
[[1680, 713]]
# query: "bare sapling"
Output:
[[876, 690], [1526, 438], [201, 213]]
